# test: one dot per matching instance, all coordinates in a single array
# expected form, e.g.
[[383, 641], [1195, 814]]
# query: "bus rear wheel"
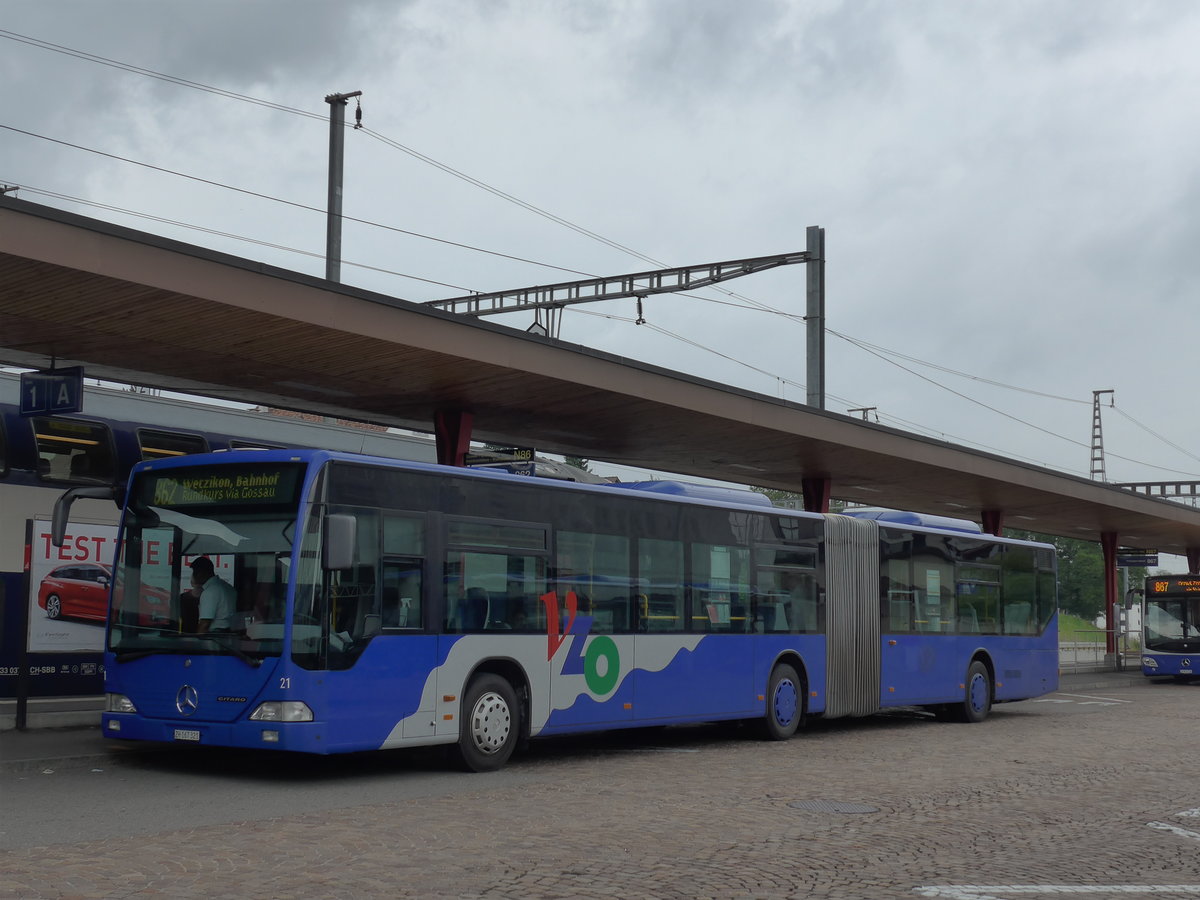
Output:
[[785, 704], [490, 725]]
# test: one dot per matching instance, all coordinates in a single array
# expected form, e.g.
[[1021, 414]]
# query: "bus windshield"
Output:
[[1172, 622], [203, 563]]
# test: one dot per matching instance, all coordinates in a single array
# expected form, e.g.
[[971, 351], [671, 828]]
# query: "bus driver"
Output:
[[217, 598]]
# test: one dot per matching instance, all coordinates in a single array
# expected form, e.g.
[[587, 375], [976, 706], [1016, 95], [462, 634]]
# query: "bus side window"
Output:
[[402, 594], [354, 600], [660, 566], [403, 556]]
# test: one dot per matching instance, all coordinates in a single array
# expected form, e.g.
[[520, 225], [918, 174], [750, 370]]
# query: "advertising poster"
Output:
[[68, 587]]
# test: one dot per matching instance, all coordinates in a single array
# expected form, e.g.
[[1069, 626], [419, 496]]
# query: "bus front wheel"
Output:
[[490, 726], [785, 704], [978, 700]]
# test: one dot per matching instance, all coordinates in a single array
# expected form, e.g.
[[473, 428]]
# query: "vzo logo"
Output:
[[600, 664]]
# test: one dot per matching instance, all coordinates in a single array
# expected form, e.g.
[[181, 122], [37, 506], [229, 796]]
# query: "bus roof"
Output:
[[921, 520], [668, 491], [690, 491]]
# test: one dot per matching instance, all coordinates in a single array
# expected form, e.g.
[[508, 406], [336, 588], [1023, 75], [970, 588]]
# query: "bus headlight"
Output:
[[1149, 662], [118, 703], [282, 711]]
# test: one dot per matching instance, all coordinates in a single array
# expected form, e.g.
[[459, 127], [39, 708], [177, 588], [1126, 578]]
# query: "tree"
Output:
[[792, 500], [1080, 573], [577, 461]]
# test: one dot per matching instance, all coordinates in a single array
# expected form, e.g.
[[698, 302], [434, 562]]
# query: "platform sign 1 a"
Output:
[[52, 391]]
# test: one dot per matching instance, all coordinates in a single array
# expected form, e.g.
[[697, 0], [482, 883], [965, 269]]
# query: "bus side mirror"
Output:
[[1131, 598], [62, 507], [339, 541]]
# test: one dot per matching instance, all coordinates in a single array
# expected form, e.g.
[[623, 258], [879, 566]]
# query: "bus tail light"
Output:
[[282, 711]]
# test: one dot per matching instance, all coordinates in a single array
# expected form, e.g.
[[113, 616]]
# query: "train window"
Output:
[[165, 444], [74, 450]]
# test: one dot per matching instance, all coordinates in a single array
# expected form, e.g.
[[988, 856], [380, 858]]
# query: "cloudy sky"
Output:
[[1008, 189]]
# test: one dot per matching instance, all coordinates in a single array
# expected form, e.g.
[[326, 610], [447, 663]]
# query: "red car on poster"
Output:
[[77, 590]]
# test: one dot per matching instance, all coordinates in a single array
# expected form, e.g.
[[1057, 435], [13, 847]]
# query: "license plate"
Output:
[[186, 734], [1185, 671]]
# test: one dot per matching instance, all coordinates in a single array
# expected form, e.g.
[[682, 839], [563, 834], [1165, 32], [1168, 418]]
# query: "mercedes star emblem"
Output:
[[187, 700]]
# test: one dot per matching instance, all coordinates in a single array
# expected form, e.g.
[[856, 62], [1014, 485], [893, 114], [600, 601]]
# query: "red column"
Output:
[[1193, 556], [993, 521], [816, 494], [452, 427], [1108, 542]]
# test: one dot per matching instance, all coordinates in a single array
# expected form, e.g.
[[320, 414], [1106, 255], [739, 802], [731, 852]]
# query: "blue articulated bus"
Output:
[[1171, 627], [383, 604]]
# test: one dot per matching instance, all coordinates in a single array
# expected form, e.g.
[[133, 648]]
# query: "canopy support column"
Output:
[[993, 521], [816, 494], [452, 428], [1108, 543]]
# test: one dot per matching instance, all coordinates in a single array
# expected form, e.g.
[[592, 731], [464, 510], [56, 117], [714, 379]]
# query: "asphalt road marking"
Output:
[[1007, 891], [1175, 829], [1090, 697], [1081, 700]]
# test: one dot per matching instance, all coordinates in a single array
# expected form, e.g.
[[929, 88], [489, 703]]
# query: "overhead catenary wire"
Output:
[[861, 344], [415, 154], [870, 347], [292, 203], [1150, 431], [747, 303], [230, 235]]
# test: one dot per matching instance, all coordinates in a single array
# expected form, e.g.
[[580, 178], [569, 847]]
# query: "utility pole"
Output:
[[333, 223], [1098, 473], [814, 318]]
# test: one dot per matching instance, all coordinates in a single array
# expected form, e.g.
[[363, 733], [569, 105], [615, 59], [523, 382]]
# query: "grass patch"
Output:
[[1073, 628]]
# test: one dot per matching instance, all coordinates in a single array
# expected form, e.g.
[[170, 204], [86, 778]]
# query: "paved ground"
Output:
[[1090, 791]]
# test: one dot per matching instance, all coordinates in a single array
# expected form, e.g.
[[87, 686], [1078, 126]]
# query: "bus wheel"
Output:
[[53, 606], [978, 701], [490, 726], [785, 704]]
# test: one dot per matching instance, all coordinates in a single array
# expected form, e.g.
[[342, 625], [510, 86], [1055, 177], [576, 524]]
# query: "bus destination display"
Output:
[[1175, 586], [223, 484]]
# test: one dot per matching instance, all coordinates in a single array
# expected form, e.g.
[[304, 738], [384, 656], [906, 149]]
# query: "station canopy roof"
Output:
[[138, 308]]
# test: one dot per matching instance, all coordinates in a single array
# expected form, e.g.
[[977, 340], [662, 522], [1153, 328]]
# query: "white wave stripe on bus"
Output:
[[549, 692], [653, 655], [1008, 891]]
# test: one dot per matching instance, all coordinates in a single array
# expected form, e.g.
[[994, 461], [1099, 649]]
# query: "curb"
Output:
[[39, 720]]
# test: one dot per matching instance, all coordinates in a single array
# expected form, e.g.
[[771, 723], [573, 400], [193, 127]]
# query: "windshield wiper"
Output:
[[127, 655], [241, 654], [215, 637]]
